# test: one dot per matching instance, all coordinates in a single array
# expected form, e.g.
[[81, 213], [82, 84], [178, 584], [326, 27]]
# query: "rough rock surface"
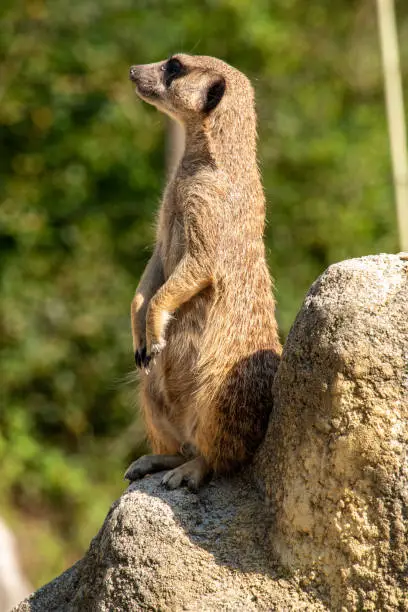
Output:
[[162, 550], [334, 462], [333, 468]]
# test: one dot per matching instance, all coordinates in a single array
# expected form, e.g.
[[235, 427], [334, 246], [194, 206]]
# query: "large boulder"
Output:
[[334, 462], [329, 532], [162, 550]]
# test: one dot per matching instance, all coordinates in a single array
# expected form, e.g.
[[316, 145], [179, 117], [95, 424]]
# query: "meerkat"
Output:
[[203, 317]]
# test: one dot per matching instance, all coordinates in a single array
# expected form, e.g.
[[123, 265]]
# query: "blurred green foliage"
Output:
[[81, 173]]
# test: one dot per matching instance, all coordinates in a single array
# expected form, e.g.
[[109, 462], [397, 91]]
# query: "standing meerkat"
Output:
[[203, 317]]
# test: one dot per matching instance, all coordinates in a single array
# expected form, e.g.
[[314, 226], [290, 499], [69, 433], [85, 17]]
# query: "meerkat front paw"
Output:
[[157, 347], [142, 359], [152, 351], [156, 324], [145, 357]]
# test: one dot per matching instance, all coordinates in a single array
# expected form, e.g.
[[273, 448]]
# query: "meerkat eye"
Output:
[[173, 69], [174, 66]]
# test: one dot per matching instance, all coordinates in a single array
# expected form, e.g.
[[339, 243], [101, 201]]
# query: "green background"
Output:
[[81, 175]]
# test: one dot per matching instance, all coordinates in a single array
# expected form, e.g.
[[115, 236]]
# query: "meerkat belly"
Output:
[[179, 360]]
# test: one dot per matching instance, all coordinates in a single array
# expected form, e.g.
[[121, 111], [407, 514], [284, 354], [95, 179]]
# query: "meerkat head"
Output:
[[189, 88]]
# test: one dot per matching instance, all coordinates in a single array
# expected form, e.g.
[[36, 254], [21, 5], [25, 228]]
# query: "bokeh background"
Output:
[[82, 168]]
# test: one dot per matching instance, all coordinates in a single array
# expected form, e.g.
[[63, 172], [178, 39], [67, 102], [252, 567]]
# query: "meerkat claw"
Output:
[[145, 360], [142, 360], [147, 370], [172, 479], [149, 359], [138, 360], [193, 473]]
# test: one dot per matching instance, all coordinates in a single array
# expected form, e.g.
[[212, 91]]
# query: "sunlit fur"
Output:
[[205, 300]]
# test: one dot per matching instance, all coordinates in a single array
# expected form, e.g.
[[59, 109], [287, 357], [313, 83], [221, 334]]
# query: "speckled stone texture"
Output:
[[329, 531], [334, 462], [176, 550]]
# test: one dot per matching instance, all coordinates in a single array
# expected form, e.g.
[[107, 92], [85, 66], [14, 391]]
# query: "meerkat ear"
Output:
[[214, 94]]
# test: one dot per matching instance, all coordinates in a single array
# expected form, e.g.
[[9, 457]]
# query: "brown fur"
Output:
[[204, 307]]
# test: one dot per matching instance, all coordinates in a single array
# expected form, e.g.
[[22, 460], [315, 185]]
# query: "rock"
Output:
[[333, 471], [334, 462], [162, 550]]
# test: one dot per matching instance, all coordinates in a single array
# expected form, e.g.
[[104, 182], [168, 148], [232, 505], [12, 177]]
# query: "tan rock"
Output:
[[162, 550], [334, 462]]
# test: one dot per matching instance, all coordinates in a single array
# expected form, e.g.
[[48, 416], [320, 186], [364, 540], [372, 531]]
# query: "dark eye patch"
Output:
[[173, 69]]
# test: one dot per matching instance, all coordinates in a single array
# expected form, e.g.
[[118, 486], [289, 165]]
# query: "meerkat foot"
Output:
[[193, 473], [148, 464]]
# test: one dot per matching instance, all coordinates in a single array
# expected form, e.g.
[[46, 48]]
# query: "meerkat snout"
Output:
[[133, 73]]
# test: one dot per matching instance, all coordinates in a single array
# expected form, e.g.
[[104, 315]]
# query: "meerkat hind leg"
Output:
[[193, 473], [148, 464]]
